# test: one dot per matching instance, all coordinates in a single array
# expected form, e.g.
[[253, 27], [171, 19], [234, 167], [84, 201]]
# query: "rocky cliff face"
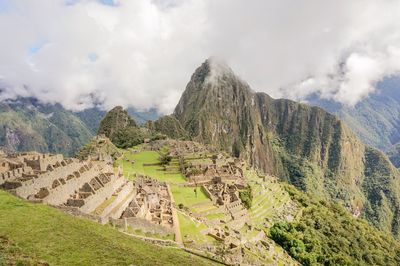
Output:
[[218, 108], [169, 126], [304, 145]]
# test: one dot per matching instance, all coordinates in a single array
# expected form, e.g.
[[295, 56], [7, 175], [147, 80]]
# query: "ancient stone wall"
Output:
[[119, 204], [32, 186], [40, 162], [93, 201], [62, 192], [13, 174], [142, 224], [208, 193]]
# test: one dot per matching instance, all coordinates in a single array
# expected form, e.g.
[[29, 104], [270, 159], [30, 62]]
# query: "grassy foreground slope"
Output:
[[47, 234]]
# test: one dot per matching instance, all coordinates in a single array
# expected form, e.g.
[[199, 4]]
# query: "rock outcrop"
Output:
[[115, 120]]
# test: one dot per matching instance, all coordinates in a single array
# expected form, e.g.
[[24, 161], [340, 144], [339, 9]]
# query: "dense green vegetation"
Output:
[[164, 157], [128, 137], [326, 234], [45, 233], [114, 121], [246, 196], [382, 188], [122, 130]]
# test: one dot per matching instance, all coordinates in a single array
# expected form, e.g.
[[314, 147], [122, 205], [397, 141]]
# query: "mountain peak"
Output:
[[215, 84], [115, 120], [219, 65], [211, 70], [218, 68]]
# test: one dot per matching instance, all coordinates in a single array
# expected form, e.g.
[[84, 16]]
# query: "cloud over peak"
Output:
[[142, 53]]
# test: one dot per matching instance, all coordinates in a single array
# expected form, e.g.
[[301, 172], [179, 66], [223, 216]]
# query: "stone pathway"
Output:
[[177, 228]]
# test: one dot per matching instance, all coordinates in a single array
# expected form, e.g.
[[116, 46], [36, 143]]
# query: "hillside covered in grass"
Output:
[[35, 233]]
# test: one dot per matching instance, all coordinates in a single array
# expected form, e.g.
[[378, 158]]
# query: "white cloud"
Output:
[[142, 53]]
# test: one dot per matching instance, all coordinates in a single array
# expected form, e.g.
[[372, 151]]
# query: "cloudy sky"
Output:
[[141, 53]]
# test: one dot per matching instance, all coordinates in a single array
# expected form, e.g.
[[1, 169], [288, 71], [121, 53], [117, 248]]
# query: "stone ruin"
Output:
[[151, 208], [221, 178], [21, 167], [66, 183], [221, 193], [187, 147], [100, 150], [223, 234], [205, 173], [90, 188]]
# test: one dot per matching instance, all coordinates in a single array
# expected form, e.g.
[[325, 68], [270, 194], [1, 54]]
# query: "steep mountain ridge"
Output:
[[304, 145], [169, 126]]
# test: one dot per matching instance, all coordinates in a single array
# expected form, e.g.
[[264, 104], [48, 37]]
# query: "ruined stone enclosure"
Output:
[[216, 175], [151, 207]]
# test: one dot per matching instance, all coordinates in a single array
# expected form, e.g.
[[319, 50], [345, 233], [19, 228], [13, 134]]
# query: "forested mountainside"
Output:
[[394, 155], [375, 119], [305, 145], [27, 124]]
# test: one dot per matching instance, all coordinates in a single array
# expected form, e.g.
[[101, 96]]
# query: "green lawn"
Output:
[[187, 196], [156, 171], [48, 234], [191, 231], [205, 207], [216, 216]]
